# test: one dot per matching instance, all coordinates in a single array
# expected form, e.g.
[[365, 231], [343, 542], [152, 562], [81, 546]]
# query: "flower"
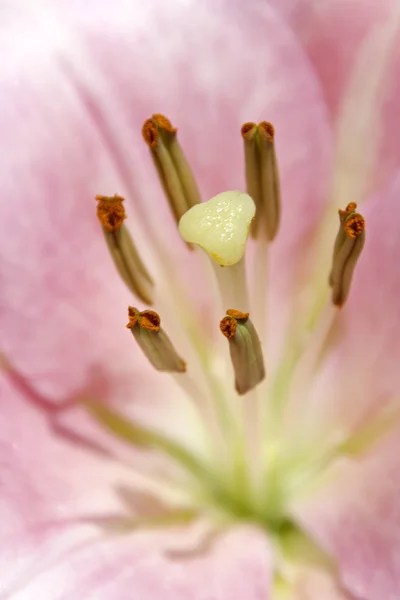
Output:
[[86, 515]]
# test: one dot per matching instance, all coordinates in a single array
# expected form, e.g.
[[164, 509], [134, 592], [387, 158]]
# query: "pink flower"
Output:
[[169, 503]]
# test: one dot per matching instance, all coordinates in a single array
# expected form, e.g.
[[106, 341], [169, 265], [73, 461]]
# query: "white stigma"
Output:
[[220, 226]]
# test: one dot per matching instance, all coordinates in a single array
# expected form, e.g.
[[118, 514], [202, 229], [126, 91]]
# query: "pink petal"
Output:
[[361, 373], [331, 33], [356, 518], [78, 85], [355, 515], [315, 584], [51, 547], [354, 49], [71, 122]]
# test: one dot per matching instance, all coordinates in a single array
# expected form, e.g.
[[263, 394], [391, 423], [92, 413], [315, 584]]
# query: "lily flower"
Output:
[[200, 392]]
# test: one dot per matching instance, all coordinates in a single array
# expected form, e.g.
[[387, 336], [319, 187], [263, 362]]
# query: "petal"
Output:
[[354, 50], [75, 92], [360, 374], [63, 152], [53, 495], [356, 517], [42, 488], [237, 567], [331, 34], [314, 584], [355, 514]]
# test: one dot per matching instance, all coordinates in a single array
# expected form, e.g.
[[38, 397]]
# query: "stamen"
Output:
[[348, 246], [245, 350], [154, 342], [173, 169], [262, 177], [220, 227], [111, 214]]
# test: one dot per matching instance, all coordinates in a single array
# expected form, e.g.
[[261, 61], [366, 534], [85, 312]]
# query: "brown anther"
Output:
[[246, 128], [351, 207], [228, 327], [110, 211], [354, 225], [237, 314], [268, 128], [150, 133], [164, 123], [133, 314], [149, 320]]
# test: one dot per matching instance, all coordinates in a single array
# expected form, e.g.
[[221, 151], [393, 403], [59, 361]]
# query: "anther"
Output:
[[354, 225], [262, 177], [228, 327], [348, 246], [150, 133], [174, 172], [245, 350], [111, 214], [110, 211], [153, 341]]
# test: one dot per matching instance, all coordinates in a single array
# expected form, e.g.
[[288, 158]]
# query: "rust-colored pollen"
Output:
[[228, 327], [150, 320], [164, 123], [150, 133], [354, 225], [351, 207], [268, 129], [132, 316], [237, 314], [246, 128], [110, 211]]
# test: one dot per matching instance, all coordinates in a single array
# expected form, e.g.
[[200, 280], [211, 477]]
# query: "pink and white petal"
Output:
[[354, 49], [315, 584], [45, 483], [74, 97], [363, 126], [355, 516], [331, 32], [359, 376], [238, 566], [60, 504]]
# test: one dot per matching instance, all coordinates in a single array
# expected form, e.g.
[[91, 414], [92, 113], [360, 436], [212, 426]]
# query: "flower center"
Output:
[[249, 469]]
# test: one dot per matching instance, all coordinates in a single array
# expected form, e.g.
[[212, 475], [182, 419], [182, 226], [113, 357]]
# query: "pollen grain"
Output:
[[164, 123], [110, 211], [237, 314], [246, 128], [150, 320], [228, 327], [150, 133], [354, 225], [133, 317], [268, 129]]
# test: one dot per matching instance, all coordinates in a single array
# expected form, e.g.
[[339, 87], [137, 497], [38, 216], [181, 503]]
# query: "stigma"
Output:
[[220, 226]]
